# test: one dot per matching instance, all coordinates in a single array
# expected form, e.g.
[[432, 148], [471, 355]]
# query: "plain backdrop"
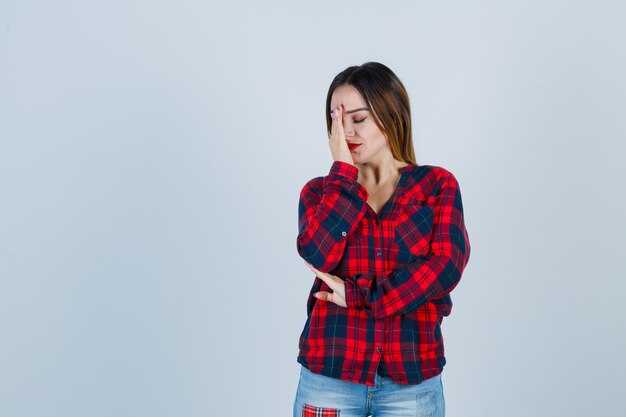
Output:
[[151, 158]]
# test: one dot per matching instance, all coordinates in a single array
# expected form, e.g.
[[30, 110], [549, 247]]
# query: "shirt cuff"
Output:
[[344, 169], [354, 297]]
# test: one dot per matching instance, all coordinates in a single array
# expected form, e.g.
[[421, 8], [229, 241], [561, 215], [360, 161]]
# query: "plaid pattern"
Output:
[[399, 267], [312, 411]]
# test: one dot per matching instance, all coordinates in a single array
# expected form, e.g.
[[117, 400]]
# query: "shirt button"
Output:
[[378, 349], [379, 254], [343, 233]]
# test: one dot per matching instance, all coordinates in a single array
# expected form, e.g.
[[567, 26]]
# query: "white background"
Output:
[[151, 158]]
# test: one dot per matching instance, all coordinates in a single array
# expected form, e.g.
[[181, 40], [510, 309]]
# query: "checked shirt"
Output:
[[399, 268]]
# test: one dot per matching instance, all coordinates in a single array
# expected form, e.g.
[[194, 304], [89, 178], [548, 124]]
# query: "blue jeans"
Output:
[[320, 395]]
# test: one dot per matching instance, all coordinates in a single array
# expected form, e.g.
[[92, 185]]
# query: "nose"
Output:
[[348, 130]]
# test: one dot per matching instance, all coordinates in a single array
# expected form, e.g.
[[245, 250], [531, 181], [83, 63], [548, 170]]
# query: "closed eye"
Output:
[[360, 120]]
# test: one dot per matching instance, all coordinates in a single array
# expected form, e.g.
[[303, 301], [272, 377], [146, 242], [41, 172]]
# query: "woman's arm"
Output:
[[431, 276], [329, 210]]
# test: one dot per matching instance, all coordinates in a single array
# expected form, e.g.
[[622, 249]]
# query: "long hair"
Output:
[[387, 99]]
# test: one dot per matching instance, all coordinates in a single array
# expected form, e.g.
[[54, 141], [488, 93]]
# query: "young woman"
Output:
[[386, 240]]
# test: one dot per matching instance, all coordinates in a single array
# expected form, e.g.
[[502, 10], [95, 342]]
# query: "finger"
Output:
[[339, 120], [337, 126], [322, 295], [313, 269], [326, 296], [323, 276], [335, 283], [330, 297]]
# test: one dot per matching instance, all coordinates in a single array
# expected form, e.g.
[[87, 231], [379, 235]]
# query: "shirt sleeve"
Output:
[[328, 212], [431, 276]]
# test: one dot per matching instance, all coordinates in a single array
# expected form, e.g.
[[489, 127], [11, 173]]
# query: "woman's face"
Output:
[[359, 125]]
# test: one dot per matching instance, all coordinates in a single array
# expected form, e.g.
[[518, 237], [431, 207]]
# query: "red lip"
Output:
[[353, 145]]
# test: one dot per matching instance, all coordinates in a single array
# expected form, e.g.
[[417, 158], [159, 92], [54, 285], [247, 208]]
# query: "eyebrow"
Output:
[[356, 110]]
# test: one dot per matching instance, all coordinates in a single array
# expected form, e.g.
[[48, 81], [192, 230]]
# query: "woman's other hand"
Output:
[[337, 142], [338, 296]]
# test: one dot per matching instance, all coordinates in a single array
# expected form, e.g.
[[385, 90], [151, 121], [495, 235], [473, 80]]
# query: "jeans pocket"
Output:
[[313, 411]]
